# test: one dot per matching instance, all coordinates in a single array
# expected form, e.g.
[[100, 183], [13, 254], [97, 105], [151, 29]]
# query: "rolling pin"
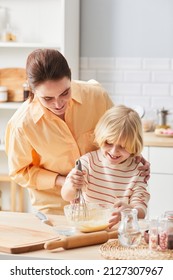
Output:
[[82, 240]]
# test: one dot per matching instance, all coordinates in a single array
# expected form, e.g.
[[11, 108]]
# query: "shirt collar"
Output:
[[76, 91], [38, 110]]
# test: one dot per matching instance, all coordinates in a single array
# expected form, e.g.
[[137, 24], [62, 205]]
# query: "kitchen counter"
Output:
[[20, 223], [29, 221], [152, 140]]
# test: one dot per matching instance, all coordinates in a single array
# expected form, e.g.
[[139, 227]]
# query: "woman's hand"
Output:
[[116, 215], [145, 168]]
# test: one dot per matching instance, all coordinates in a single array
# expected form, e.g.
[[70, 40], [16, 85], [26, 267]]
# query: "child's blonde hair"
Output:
[[120, 125]]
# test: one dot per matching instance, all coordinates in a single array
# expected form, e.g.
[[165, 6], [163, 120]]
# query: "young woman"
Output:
[[110, 174], [53, 128]]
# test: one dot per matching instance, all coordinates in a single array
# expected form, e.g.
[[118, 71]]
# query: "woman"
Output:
[[52, 128]]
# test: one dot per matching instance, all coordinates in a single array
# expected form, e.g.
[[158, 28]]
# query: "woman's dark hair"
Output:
[[46, 64]]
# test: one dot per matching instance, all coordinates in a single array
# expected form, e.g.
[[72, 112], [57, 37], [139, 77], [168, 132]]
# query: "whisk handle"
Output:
[[78, 165]]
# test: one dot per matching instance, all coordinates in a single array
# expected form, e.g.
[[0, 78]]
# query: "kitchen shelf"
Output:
[[10, 105], [28, 45], [38, 24], [41, 24]]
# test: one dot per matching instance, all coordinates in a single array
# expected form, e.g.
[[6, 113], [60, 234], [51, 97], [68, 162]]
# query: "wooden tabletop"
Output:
[[152, 140], [30, 222]]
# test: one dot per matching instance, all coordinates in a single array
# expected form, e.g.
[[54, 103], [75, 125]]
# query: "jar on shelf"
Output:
[[26, 91], [3, 20], [3, 94], [9, 34]]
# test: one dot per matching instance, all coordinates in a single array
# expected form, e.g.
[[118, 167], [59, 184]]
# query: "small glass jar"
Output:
[[3, 94], [129, 234], [153, 234], [26, 91], [163, 237], [169, 228]]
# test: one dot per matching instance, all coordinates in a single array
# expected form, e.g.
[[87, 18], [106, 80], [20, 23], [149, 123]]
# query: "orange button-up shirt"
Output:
[[40, 145]]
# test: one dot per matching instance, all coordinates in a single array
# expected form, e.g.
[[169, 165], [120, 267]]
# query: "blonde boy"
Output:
[[110, 174]]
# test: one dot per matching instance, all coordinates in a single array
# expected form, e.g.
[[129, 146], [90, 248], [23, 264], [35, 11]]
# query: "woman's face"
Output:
[[114, 153], [55, 95]]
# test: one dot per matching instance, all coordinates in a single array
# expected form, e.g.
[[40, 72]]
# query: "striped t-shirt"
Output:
[[106, 183]]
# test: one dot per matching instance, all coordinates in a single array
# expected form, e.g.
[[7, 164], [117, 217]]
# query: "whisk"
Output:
[[79, 207]]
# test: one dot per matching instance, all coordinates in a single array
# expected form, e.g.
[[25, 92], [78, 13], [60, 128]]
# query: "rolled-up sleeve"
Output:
[[24, 164]]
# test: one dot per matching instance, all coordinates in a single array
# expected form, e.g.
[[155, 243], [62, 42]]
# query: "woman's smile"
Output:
[[55, 95]]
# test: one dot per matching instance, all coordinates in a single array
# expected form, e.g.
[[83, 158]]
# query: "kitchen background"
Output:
[[126, 45]]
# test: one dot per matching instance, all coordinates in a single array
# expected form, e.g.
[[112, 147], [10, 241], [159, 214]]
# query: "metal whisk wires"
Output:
[[79, 207]]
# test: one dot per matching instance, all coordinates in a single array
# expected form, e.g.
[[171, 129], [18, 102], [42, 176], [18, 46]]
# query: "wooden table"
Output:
[[29, 221]]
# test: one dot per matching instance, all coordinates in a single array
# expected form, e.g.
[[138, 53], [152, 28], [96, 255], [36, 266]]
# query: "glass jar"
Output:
[[153, 234], [129, 234], [162, 231], [26, 91], [169, 228], [3, 94]]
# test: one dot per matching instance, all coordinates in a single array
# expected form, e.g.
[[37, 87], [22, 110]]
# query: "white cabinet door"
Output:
[[161, 180], [145, 153], [161, 159], [161, 191]]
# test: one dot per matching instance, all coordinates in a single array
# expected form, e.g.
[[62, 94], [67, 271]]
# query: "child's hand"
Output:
[[76, 178], [116, 215]]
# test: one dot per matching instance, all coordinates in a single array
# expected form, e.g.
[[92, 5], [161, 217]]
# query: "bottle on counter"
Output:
[[129, 234], [162, 118]]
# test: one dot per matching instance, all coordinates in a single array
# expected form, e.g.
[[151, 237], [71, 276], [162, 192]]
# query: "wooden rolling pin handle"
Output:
[[81, 240]]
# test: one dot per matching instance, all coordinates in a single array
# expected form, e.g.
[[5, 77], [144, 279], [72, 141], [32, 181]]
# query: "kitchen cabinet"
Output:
[[41, 24], [36, 24], [14, 197], [161, 180]]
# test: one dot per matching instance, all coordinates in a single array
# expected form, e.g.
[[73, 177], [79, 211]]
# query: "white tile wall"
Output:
[[147, 82]]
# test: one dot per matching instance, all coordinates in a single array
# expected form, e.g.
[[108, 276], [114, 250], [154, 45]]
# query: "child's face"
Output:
[[114, 153]]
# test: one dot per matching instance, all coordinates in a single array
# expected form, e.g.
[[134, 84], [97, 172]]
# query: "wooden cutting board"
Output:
[[16, 240], [23, 232], [13, 79]]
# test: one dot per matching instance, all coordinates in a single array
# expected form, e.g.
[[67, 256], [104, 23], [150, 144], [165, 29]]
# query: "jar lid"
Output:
[[3, 88], [169, 215]]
